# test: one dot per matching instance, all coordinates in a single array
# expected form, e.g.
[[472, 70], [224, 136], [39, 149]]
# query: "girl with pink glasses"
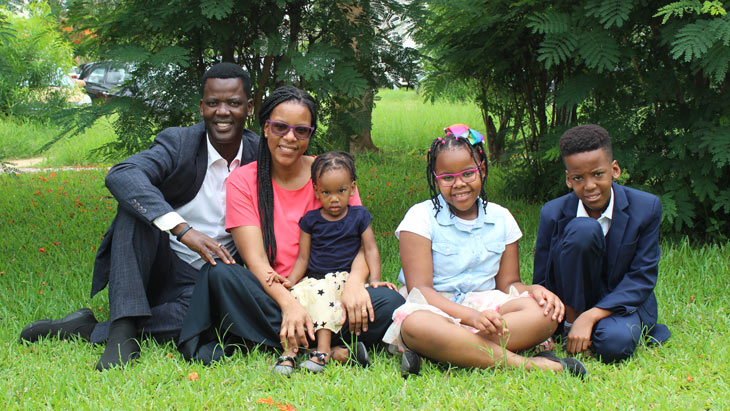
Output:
[[466, 304]]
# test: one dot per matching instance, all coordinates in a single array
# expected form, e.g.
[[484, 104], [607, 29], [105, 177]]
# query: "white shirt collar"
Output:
[[604, 219], [214, 155]]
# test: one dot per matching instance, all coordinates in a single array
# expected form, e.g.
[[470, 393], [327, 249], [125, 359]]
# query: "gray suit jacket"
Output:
[[156, 181]]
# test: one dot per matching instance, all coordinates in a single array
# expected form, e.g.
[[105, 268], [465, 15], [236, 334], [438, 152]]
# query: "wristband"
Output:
[[182, 233]]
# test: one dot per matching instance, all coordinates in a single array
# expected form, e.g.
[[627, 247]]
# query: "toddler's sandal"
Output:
[[284, 369], [313, 366]]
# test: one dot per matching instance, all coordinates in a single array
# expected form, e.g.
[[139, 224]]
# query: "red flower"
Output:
[[267, 400], [42, 249], [56, 243]]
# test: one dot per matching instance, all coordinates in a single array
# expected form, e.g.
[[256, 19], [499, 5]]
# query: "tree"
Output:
[[486, 46], [32, 54], [654, 74], [308, 43]]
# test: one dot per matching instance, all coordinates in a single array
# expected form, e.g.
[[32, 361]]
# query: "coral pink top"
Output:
[[289, 206]]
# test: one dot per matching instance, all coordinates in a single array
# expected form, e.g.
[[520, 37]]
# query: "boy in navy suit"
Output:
[[598, 250]]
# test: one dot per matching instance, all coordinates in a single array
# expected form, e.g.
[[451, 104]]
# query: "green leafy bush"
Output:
[[32, 54]]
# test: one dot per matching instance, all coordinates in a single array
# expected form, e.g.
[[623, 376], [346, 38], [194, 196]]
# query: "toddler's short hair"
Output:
[[584, 138], [332, 160]]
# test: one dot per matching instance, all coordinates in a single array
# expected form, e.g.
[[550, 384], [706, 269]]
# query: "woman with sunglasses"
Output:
[[467, 305], [264, 202]]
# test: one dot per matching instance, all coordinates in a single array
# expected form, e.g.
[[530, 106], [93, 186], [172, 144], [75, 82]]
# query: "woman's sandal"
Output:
[[313, 366], [410, 363], [570, 364], [284, 369]]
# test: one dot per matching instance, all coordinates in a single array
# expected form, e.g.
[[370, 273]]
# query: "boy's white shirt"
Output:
[[604, 219]]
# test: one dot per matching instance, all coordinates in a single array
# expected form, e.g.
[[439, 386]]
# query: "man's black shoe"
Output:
[[79, 324]]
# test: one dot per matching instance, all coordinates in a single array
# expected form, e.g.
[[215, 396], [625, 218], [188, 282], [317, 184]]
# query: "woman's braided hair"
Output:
[[264, 186], [449, 142]]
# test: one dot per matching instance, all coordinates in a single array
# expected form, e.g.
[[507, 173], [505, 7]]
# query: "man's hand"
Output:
[[205, 246]]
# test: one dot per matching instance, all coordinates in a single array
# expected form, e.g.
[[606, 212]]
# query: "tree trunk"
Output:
[[363, 140], [352, 118]]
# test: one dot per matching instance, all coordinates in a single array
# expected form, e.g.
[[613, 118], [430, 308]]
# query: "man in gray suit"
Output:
[[150, 255]]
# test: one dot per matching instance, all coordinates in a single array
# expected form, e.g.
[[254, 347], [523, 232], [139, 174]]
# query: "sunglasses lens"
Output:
[[302, 132], [279, 128]]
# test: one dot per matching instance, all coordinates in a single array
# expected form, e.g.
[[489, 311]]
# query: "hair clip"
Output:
[[463, 131]]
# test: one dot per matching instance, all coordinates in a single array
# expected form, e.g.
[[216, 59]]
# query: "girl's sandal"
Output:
[[284, 369], [571, 364], [313, 366]]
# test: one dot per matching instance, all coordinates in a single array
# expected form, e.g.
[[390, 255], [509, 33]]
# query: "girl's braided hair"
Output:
[[449, 142], [264, 187]]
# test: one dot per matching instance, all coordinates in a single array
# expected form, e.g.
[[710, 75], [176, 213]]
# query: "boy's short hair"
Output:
[[584, 138], [227, 70]]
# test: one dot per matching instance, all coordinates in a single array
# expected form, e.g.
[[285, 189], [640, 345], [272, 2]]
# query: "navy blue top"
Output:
[[334, 243]]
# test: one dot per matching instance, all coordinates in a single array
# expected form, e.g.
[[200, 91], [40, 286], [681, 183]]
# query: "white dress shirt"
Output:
[[604, 219], [206, 212]]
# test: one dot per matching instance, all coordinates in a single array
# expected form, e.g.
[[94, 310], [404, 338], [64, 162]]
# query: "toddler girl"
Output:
[[330, 238]]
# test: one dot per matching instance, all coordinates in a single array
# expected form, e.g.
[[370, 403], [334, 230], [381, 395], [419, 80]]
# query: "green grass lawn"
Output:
[[23, 139], [52, 222]]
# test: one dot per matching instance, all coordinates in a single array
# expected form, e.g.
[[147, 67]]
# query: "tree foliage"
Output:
[[654, 74], [341, 51], [33, 54]]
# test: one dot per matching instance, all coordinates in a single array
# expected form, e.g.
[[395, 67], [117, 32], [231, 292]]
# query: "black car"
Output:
[[103, 79]]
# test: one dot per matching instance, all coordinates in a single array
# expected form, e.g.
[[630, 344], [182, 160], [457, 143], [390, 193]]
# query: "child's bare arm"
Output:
[[300, 265], [372, 255]]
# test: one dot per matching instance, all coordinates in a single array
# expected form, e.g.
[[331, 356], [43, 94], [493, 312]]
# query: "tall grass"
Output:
[[52, 222], [402, 121]]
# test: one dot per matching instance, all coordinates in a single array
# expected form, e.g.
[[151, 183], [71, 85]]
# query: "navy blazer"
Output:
[[160, 179], [632, 247]]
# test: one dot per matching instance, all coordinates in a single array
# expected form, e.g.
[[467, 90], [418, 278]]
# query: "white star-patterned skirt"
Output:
[[321, 299]]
